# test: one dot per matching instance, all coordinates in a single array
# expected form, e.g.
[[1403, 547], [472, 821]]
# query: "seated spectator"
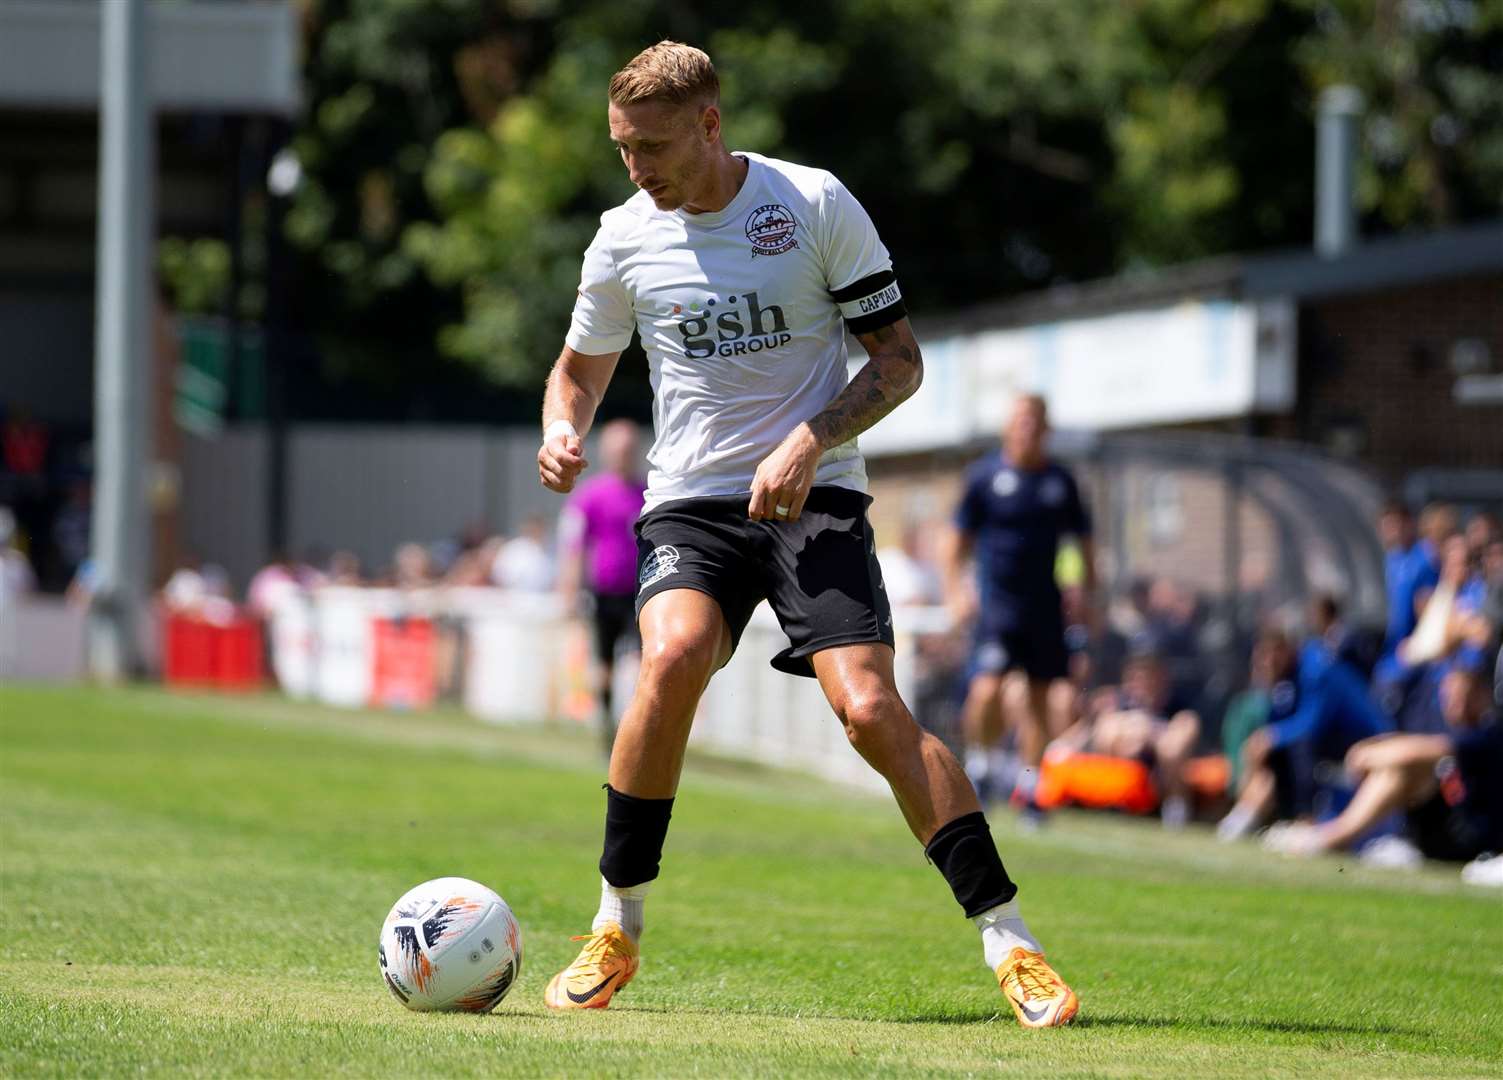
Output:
[[909, 572], [412, 568], [1450, 784], [1318, 708], [199, 592], [1458, 591], [1250, 710], [1143, 720], [1482, 530], [524, 562], [16, 576], [1097, 650], [277, 582], [344, 569]]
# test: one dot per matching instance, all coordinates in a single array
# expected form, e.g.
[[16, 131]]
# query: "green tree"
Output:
[[458, 161], [386, 79], [1431, 72]]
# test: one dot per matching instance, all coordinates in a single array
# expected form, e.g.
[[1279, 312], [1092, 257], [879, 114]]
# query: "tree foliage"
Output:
[[458, 159]]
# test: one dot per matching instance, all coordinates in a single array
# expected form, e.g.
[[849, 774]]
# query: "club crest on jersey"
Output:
[[658, 565], [770, 229]]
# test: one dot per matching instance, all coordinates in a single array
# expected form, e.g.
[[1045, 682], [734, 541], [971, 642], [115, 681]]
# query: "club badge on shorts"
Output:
[[659, 564]]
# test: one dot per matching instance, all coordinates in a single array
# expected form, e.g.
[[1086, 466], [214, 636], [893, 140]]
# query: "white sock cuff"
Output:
[[631, 892], [991, 916]]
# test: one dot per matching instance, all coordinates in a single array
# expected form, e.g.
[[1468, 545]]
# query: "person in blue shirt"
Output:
[[1016, 507], [1318, 708], [1449, 783], [1396, 533], [1413, 579]]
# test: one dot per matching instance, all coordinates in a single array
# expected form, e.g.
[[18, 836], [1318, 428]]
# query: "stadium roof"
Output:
[[1384, 263]]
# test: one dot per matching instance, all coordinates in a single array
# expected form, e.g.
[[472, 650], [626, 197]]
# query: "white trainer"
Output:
[[1484, 870]]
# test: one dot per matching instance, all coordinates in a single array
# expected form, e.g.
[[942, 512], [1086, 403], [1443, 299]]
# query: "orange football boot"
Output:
[[606, 964], [1036, 993]]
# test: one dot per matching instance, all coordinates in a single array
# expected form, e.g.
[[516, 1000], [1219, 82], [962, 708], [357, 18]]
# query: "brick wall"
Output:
[[1375, 377]]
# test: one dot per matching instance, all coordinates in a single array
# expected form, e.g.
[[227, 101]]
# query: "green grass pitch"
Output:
[[195, 885]]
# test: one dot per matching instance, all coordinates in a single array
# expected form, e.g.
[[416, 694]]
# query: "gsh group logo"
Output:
[[745, 328]]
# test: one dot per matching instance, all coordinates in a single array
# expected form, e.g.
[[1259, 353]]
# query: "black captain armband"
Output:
[[871, 303]]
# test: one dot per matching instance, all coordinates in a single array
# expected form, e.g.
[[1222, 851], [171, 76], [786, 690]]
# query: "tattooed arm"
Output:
[[891, 375]]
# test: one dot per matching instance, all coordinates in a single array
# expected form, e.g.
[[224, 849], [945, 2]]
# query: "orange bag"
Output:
[[1098, 782]]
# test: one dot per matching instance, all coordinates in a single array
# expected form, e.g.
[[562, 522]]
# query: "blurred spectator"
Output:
[[1450, 784], [277, 582], [1095, 647], [1318, 708], [524, 562], [1457, 590], [908, 571], [1411, 580], [199, 591], [1143, 720], [83, 585], [598, 569], [344, 569], [23, 447], [71, 527], [16, 576], [412, 568], [1249, 710], [1482, 530]]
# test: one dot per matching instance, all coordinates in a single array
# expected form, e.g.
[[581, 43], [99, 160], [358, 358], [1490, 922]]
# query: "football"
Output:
[[450, 945]]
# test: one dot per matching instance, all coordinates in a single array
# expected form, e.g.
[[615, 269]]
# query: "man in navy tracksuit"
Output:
[[1016, 507]]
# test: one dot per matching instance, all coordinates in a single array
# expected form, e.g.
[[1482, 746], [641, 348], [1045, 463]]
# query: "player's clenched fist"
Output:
[[782, 482], [560, 460]]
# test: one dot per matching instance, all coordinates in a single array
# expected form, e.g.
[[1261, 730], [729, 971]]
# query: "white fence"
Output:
[[525, 660], [41, 639]]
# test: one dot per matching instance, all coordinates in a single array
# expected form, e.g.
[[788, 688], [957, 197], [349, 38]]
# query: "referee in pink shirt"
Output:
[[600, 555]]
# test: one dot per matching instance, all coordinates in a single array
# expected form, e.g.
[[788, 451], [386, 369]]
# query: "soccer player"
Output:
[[743, 274], [1016, 506], [600, 556]]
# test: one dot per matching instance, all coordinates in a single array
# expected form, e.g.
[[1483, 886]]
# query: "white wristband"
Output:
[[559, 427]]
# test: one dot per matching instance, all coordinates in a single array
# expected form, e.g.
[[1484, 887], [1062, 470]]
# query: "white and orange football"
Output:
[[450, 945]]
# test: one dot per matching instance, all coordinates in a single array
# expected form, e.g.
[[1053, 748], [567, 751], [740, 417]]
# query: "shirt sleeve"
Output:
[[969, 514], [858, 269], [603, 316], [1301, 724], [1077, 517]]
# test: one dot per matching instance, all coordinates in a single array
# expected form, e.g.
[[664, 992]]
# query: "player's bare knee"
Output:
[[876, 720], [675, 657]]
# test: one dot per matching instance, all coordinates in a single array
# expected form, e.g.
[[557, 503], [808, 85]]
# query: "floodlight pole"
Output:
[[122, 346]]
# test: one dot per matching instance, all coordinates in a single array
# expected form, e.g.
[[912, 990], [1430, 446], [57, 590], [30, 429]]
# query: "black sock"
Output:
[[965, 854], [634, 832]]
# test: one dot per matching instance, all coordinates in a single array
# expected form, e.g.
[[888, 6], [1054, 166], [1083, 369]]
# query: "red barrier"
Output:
[[204, 655], [404, 665]]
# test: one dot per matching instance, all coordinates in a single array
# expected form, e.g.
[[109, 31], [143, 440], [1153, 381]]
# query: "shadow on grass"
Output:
[[1276, 1027], [1186, 1024]]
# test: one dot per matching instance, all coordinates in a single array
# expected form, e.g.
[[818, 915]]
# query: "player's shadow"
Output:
[[980, 1016], [1284, 1027]]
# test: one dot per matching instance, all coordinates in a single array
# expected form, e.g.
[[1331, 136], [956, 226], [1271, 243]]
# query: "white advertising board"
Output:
[[1197, 360]]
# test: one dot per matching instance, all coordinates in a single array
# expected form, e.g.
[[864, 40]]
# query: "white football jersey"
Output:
[[743, 316]]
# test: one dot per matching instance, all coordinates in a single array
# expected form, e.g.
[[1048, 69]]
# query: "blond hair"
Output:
[[669, 71]]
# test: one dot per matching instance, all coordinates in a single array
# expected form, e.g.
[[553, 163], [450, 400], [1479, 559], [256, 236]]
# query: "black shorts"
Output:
[[819, 573], [1039, 650], [614, 618]]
